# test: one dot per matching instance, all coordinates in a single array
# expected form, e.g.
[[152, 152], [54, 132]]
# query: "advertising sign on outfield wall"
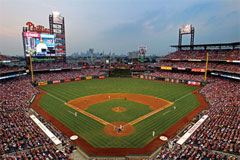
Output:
[[88, 77], [78, 79], [194, 83], [56, 82], [42, 83], [101, 77], [67, 80]]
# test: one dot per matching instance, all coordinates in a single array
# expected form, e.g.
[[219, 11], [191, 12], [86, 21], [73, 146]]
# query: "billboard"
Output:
[[186, 29], [39, 44]]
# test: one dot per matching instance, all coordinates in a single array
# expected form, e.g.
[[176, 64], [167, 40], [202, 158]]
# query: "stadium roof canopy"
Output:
[[233, 45]]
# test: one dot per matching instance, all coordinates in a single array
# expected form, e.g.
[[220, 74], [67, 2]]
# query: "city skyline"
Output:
[[121, 26]]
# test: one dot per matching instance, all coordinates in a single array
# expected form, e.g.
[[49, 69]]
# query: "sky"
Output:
[[120, 26]]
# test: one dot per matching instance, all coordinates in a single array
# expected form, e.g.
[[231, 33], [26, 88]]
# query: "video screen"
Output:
[[39, 44]]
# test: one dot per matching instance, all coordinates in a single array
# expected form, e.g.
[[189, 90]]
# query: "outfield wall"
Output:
[[70, 80], [189, 82]]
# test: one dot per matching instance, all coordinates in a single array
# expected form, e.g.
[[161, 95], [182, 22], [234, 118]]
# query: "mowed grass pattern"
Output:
[[93, 132], [133, 110]]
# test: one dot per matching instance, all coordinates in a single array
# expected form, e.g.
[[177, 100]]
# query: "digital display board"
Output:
[[39, 44]]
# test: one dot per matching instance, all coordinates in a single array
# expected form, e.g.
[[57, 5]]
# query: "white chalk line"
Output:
[[75, 107], [183, 97]]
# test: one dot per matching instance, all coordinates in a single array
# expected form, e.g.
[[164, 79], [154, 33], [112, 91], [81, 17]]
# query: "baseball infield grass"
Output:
[[104, 110], [93, 131]]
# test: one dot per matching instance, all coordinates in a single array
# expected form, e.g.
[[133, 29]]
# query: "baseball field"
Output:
[[59, 96], [95, 109]]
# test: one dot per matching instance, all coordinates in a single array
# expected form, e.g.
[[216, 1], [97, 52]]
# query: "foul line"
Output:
[[183, 97], [148, 115], [55, 97], [81, 111], [88, 114]]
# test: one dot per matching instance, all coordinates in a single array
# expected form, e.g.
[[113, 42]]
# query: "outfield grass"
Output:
[[92, 131]]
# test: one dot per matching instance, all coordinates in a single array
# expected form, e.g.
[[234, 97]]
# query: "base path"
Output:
[[156, 104], [84, 102], [146, 150]]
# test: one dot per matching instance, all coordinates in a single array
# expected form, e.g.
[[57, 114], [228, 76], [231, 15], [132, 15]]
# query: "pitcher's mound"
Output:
[[119, 109], [113, 129]]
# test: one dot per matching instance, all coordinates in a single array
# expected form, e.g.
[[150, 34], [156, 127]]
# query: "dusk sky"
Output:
[[121, 26]]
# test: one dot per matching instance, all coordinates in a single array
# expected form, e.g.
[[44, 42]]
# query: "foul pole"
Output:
[[30, 53], [206, 68]]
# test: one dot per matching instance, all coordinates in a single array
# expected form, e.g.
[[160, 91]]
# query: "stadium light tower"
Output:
[[186, 29]]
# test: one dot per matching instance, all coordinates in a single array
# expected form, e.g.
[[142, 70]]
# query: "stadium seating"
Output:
[[220, 132], [183, 76], [20, 137], [201, 54], [211, 65], [4, 58], [52, 65], [5, 68], [67, 74]]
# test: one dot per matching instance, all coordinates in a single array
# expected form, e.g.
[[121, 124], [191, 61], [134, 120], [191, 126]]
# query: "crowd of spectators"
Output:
[[191, 152], [176, 75], [5, 58], [6, 68], [67, 74], [139, 67], [52, 65], [211, 65], [201, 54], [20, 137], [220, 132]]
